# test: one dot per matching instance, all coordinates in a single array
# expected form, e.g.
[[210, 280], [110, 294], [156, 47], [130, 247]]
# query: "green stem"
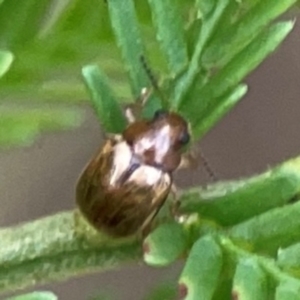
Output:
[[58, 247]]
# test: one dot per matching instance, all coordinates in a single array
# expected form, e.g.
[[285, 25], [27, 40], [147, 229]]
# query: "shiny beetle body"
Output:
[[128, 180]]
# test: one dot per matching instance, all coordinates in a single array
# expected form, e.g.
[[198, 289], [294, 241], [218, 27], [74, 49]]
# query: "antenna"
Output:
[[153, 80], [208, 168], [149, 72]]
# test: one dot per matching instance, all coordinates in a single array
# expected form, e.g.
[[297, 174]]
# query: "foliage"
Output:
[[240, 238], [42, 90]]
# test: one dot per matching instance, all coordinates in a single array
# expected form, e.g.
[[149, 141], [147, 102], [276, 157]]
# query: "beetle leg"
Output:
[[175, 204], [145, 94], [188, 160], [113, 136], [129, 115], [174, 191]]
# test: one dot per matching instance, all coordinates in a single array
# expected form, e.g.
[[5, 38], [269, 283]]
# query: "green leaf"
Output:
[[170, 32], [279, 227], [165, 244], [211, 13], [264, 269], [226, 45], [288, 289], [248, 59], [104, 102], [289, 258], [225, 104], [233, 73], [250, 281], [127, 32], [225, 202], [35, 296], [6, 59], [201, 272]]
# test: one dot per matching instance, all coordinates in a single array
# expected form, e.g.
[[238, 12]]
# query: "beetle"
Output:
[[128, 180]]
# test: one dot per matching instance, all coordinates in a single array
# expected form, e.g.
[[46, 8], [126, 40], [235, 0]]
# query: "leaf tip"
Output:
[[234, 295], [182, 290], [6, 59], [88, 69], [146, 248]]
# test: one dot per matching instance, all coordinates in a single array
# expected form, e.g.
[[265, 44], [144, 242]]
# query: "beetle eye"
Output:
[[159, 114], [184, 138]]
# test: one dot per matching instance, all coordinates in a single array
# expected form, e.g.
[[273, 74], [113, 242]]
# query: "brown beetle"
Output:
[[128, 180]]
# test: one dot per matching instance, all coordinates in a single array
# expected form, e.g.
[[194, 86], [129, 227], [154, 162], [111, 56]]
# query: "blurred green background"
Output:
[[43, 92]]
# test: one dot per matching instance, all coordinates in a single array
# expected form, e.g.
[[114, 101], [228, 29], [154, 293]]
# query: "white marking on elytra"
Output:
[[146, 175], [122, 158]]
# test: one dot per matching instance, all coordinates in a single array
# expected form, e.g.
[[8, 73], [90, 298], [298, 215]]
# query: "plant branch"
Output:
[[58, 247], [64, 245]]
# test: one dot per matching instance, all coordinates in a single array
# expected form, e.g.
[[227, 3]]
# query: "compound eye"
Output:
[[160, 114], [184, 138]]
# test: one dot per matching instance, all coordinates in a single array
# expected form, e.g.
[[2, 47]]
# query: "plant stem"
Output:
[[57, 247], [64, 245]]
